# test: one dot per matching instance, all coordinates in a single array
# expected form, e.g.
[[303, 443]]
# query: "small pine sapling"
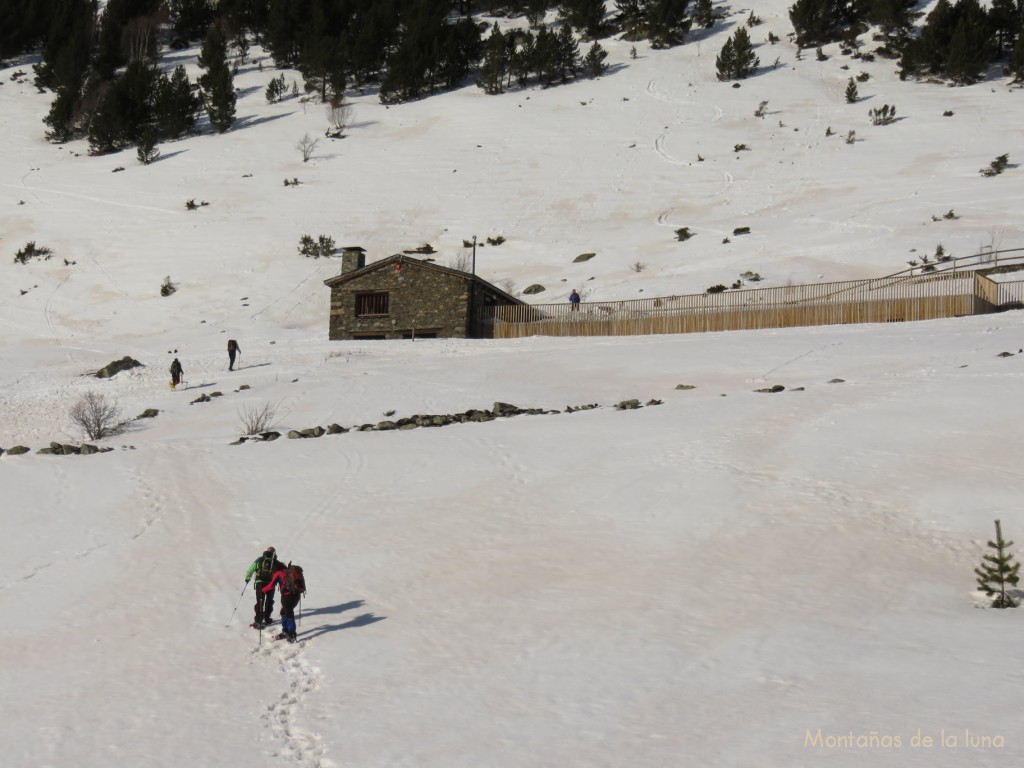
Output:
[[851, 137], [820, 54], [761, 108], [146, 151], [998, 572], [851, 91]]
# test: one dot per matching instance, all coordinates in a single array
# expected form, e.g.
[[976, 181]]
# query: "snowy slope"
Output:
[[708, 581]]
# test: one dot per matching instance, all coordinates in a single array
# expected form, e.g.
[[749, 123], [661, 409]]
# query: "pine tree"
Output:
[[851, 91], [125, 111], [190, 18], [594, 61], [725, 62], [545, 59], [568, 53], [219, 88], [737, 59], [998, 571], [1017, 60], [703, 14], [1006, 16], [217, 83], [175, 107], [816, 21], [666, 21], [965, 58], [746, 61], [494, 68], [584, 15], [214, 52], [146, 151]]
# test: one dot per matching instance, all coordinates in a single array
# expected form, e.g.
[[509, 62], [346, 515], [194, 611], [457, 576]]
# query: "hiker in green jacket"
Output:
[[263, 568]]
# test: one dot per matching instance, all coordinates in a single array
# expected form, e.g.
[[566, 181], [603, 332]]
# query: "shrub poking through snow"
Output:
[[32, 251], [97, 417], [997, 166], [883, 115], [257, 418], [320, 248]]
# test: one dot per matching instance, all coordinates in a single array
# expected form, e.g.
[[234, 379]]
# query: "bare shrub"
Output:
[[97, 417], [339, 114], [461, 261], [306, 146], [257, 418], [638, 266]]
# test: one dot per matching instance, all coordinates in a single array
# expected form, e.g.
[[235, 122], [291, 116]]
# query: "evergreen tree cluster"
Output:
[[822, 21], [664, 22], [517, 57], [958, 40]]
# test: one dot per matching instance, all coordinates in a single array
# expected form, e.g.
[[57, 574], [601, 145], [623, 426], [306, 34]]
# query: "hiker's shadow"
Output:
[[359, 621], [334, 608], [251, 365]]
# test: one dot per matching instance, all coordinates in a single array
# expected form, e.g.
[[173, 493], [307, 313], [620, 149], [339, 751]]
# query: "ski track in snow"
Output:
[[301, 747], [90, 198]]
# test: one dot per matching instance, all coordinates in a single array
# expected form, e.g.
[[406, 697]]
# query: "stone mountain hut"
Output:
[[402, 297]]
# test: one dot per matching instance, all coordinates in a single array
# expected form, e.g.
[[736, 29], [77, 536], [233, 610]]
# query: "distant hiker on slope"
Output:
[[233, 349], [176, 373], [293, 587], [263, 568]]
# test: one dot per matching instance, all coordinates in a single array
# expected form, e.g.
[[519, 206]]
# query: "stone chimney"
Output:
[[352, 258]]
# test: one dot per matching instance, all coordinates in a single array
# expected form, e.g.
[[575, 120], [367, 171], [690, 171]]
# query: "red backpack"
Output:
[[294, 581]]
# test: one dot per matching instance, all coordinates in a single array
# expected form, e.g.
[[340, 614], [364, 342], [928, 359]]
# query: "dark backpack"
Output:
[[294, 581], [265, 569]]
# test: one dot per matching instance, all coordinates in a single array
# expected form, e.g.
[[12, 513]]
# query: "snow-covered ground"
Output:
[[728, 578]]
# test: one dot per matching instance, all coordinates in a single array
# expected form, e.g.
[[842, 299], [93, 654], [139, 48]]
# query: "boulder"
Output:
[[17, 450], [115, 367]]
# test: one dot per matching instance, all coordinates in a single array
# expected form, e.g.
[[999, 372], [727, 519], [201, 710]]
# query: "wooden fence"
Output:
[[896, 298]]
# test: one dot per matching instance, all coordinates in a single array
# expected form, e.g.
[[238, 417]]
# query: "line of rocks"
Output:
[[498, 410], [58, 449]]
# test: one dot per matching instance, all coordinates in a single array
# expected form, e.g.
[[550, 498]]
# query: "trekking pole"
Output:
[[237, 604]]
